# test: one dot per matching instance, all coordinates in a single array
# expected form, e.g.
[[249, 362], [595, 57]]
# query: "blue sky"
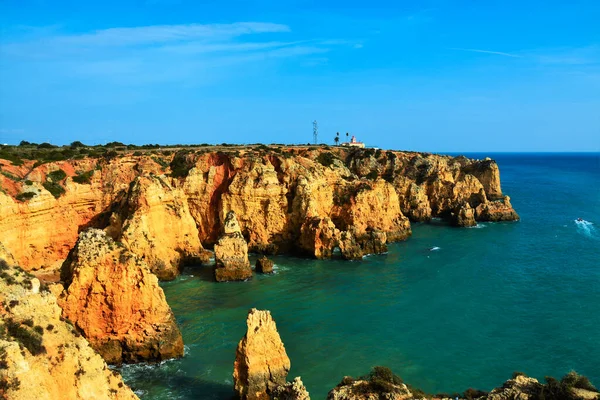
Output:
[[442, 76]]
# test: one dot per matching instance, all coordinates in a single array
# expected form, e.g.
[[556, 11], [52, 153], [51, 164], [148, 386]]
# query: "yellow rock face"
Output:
[[261, 363], [159, 226], [278, 195], [114, 299], [231, 253], [42, 356]]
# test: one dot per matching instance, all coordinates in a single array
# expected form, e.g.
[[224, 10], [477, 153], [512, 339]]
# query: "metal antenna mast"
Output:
[[315, 132]]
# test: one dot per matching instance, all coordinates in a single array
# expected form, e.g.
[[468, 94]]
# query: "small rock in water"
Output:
[[264, 265]]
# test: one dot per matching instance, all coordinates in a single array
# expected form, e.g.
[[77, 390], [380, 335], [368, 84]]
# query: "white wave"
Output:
[[434, 248], [478, 226], [587, 228]]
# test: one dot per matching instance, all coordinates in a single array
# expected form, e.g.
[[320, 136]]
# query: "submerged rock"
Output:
[[116, 302], [42, 356], [231, 253], [264, 266]]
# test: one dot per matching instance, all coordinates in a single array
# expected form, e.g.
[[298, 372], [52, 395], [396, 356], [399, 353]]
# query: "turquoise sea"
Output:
[[448, 309]]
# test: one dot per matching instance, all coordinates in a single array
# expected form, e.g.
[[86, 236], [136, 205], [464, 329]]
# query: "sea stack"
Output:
[[264, 265], [231, 253], [114, 299], [261, 363]]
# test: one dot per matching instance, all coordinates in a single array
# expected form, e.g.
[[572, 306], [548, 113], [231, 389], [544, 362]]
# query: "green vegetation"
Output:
[[28, 338], [160, 162], [28, 182], [58, 175], [380, 380], [14, 159], [25, 196], [373, 175], [83, 177], [54, 188], [326, 158], [10, 176], [181, 165]]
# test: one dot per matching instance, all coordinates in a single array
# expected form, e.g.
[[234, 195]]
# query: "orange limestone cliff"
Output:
[[158, 226], [165, 207], [112, 297], [231, 253], [261, 363], [42, 356]]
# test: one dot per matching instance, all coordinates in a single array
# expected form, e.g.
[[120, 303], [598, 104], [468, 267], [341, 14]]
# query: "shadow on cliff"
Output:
[[202, 272]]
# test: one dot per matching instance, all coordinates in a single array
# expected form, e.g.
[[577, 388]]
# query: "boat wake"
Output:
[[587, 228], [434, 248]]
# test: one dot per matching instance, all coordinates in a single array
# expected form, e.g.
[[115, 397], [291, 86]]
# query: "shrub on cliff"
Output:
[[180, 166], [326, 159], [25, 196], [6, 155], [26, 336], [373, 175], [83, 177], [58, 175], [54, 188]]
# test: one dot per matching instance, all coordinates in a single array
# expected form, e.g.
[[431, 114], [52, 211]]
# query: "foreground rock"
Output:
[[41, 355], [116, 302], [231, 253], [264, 266], [382, 384], [261, 363]]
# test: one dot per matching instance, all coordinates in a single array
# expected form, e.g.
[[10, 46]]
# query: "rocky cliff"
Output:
[[114, 299], [42, 356], [310, 200]]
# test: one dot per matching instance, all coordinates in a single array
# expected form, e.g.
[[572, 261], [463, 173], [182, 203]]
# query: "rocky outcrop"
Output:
[[521, 387], [463, 216], [116, 302], [308, 200], [261, 363], [380, 383], [294, 390], [6, 256], [159, 227], [363, 390], [231, 253], [264, 266], [42, 356]]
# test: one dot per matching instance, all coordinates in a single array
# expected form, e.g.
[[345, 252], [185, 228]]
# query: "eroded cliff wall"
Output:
[[166, 207]]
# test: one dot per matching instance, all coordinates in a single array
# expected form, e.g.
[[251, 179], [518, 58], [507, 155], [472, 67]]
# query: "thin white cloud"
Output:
[[498, 53], [133, 56], [578, 56], [168, 33]]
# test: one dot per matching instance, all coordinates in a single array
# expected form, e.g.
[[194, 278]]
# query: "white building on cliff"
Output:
[[354, 143]]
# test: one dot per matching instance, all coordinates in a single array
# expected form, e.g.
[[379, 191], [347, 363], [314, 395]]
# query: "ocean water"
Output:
[[448, 309]]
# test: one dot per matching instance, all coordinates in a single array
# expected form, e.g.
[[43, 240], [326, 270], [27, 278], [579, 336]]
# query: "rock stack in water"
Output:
[[261, 363], [111, 295], [264, 266], [231, 253]]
